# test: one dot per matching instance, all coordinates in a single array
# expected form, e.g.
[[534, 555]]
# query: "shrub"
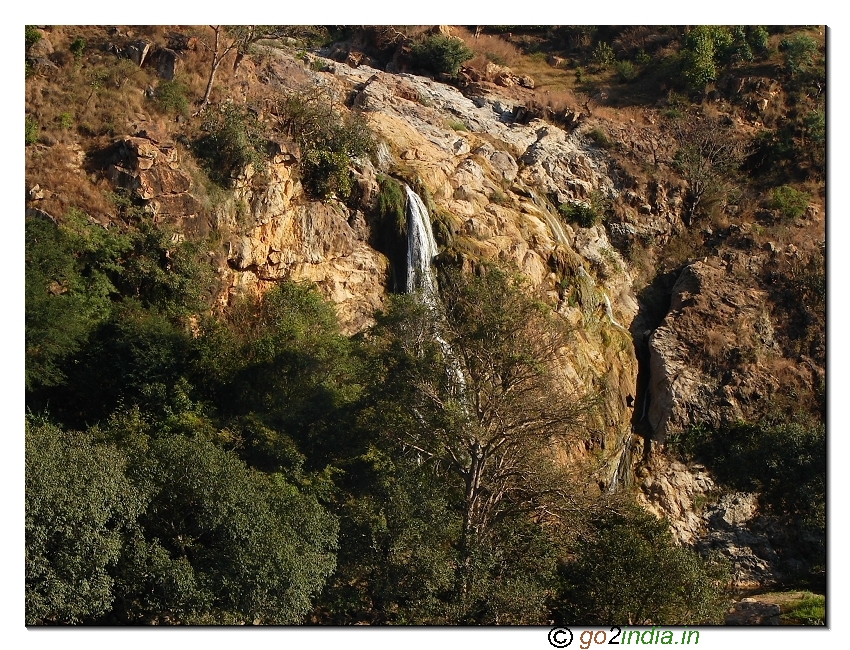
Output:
[[642, 57], [234, 139], [66, 121], [630, 569], [600, 138], [603, 54], [32, 36], [580, 213], [171, 97], [791, 203], [31, 129], [328, 141], [625, 70], [78, 46], [799, 53], [441, 54], [757, 37], [456, 125]]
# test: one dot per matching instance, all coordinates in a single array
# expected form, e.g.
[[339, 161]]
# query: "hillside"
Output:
[[407, 325]]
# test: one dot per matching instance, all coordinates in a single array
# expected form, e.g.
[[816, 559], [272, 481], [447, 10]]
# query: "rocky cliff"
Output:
[[498, 184]]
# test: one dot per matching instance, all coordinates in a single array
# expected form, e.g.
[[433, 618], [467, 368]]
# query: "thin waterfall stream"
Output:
[[421, 251]]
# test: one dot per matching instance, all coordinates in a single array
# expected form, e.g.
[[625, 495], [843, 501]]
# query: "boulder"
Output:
[[168, 62], [137, 51]]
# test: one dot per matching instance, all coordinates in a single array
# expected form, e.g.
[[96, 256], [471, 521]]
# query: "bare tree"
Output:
[[709, 152], [496, 417], [227, 39]]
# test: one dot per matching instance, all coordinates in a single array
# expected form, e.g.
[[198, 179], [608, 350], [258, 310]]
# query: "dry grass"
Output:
[[715, 344], [60, 173], [488, 49]]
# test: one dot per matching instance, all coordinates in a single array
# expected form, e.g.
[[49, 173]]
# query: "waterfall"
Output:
[[421, 251], [552, 221]]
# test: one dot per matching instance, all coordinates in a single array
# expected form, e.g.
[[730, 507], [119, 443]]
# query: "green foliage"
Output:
[[66, 121], [603, 55], [441, 54], [600, 138], [809, 610], [248, 545], [171, 96], [758, 38], [328, 140], [791, 203], [784, 461], [233, 139], [706, 47], [625, 70], [392, 204], [580, 213], [77, 47], [32, 35], [630, 571], [799, 52], [68, 289], [397, 561], [31, 130], [78, 272], [80, 507], [501, 340]]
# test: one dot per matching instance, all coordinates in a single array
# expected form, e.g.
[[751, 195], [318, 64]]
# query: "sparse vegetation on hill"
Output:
[[203, 203]]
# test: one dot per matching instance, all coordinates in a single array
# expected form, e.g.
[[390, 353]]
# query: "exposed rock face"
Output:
[[150, 170], [491, 182], [705, 356], [760, 549], [280, 236]]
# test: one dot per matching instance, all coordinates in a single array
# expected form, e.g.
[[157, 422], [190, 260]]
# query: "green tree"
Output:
[[69, 289], [233, 139], [799, 52], [329, 140], [480, 398], [248, 545], [706, 47], [441, 54], [80, 508], [630, 572]]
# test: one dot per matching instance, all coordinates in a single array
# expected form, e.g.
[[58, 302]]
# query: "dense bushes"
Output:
[[784, 461], [630, 572], [790, 203], [441, 54], [184, 534], [328, 140], [581, 213], [233, 139]]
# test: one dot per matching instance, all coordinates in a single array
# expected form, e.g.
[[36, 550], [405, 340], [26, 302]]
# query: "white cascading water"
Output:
[[421, 251]]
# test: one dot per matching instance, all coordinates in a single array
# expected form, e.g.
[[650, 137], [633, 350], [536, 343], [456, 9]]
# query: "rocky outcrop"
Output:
[[749, 611], [706, 359], [493, 182], [150, 170], [762, 551]]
